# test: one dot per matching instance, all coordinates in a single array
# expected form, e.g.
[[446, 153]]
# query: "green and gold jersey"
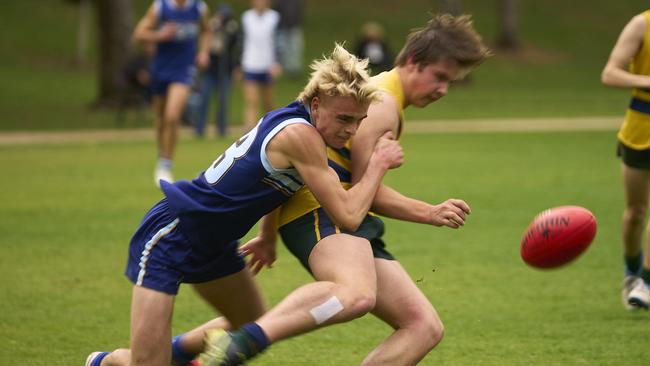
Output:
[[339, 159], [635, 131]]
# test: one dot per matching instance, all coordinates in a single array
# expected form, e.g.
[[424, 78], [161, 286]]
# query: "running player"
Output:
[[633, 49], [178, 28]]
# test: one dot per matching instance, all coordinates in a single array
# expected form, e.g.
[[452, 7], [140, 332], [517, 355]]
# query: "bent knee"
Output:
[[363, 304], [358, 304], [426, 326], [636, 214], [437, 332], [429, 334]]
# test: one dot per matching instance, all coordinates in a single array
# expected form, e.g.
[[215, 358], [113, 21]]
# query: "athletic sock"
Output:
[[633, 265], [250, 339], [645, 274], [98, 359], [179, 355], [165, 163]]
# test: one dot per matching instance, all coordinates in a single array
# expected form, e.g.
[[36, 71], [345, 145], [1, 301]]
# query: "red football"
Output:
[[557, 236]]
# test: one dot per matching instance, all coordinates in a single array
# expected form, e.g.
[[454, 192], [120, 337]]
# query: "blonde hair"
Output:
[[340, 75], [445, 37]]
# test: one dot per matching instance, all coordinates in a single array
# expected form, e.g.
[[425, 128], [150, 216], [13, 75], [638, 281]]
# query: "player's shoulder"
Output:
[[384, 113], [387, 100], [298, 133], [204, 10], [639, 21]]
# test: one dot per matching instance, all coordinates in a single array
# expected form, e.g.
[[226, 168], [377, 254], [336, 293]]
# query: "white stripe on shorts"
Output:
[[150, 244]]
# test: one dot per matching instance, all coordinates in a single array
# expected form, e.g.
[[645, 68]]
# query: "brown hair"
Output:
[[445, 37]]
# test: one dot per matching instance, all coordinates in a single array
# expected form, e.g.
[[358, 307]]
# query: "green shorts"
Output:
[[302, 234], [639, 159]]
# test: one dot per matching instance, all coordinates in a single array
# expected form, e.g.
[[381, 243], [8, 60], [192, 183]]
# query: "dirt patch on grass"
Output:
[[432, 126]]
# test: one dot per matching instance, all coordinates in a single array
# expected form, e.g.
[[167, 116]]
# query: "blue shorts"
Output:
[[161, 257], [159, 85], [258, 77]]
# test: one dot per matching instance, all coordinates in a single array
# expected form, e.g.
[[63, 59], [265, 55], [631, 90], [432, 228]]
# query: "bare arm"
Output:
[[628, 44], [304, 149], [145, 30], [205, 37], [388, 202]]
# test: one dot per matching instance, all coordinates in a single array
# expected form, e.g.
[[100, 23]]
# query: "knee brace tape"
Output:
[[326, 310]]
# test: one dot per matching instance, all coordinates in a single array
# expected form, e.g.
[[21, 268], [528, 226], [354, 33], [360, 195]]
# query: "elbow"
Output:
[[606, 77], [350, 224]]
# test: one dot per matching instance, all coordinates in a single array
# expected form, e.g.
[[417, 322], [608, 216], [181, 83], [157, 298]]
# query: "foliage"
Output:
[[557, 73]]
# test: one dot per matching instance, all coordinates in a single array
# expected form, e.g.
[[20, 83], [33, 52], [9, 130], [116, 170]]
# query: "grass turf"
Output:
[[69, 210]]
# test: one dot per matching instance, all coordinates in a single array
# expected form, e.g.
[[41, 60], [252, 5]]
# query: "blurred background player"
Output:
[[373, 45], [179, 28], [259, 64], [290, 36], [224, 55], [135, 88], [629, 67]]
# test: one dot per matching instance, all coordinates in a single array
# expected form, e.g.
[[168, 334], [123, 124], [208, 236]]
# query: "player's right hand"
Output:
[[167, 32], [389, 150], [451, 213]]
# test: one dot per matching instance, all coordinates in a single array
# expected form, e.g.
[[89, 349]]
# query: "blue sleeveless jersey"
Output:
[[224, 202], [175, 59]]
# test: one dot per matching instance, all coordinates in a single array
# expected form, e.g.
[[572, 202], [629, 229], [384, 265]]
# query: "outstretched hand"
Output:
[[262, 253], [450, 213]]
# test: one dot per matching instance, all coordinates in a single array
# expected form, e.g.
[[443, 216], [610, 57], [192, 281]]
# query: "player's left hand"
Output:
[[450, 213], [202, 60], [275, 71], [261, 251]]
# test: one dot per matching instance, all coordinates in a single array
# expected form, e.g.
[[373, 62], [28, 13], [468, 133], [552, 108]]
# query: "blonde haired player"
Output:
[[633, 50], [191, 236], [354, 272]]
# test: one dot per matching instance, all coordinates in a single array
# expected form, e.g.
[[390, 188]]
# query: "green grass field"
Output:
[[68, 212]]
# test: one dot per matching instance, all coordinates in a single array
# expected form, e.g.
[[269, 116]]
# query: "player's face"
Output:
[[431, 82], [337, 118]]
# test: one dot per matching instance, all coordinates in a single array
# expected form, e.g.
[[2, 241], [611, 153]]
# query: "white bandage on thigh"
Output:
[[326, 310]]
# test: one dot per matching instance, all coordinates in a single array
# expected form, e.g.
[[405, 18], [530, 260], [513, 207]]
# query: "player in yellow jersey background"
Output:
[[629, 67]]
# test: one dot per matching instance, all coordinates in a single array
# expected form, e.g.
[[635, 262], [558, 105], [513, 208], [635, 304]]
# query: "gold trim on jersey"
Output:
[[304, 201]]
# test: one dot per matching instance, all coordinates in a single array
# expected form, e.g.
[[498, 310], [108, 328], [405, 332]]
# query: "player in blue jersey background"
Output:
[[179, 28], [191, 236]]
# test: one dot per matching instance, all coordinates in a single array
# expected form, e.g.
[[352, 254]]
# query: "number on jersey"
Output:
[[226, 160]]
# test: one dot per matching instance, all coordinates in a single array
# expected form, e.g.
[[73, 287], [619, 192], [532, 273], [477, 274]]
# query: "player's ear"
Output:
[[413, 66], [314, 105]]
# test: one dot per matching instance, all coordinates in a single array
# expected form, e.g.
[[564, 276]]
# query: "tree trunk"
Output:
[[508, 14], [83, 29], [115, 21]]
